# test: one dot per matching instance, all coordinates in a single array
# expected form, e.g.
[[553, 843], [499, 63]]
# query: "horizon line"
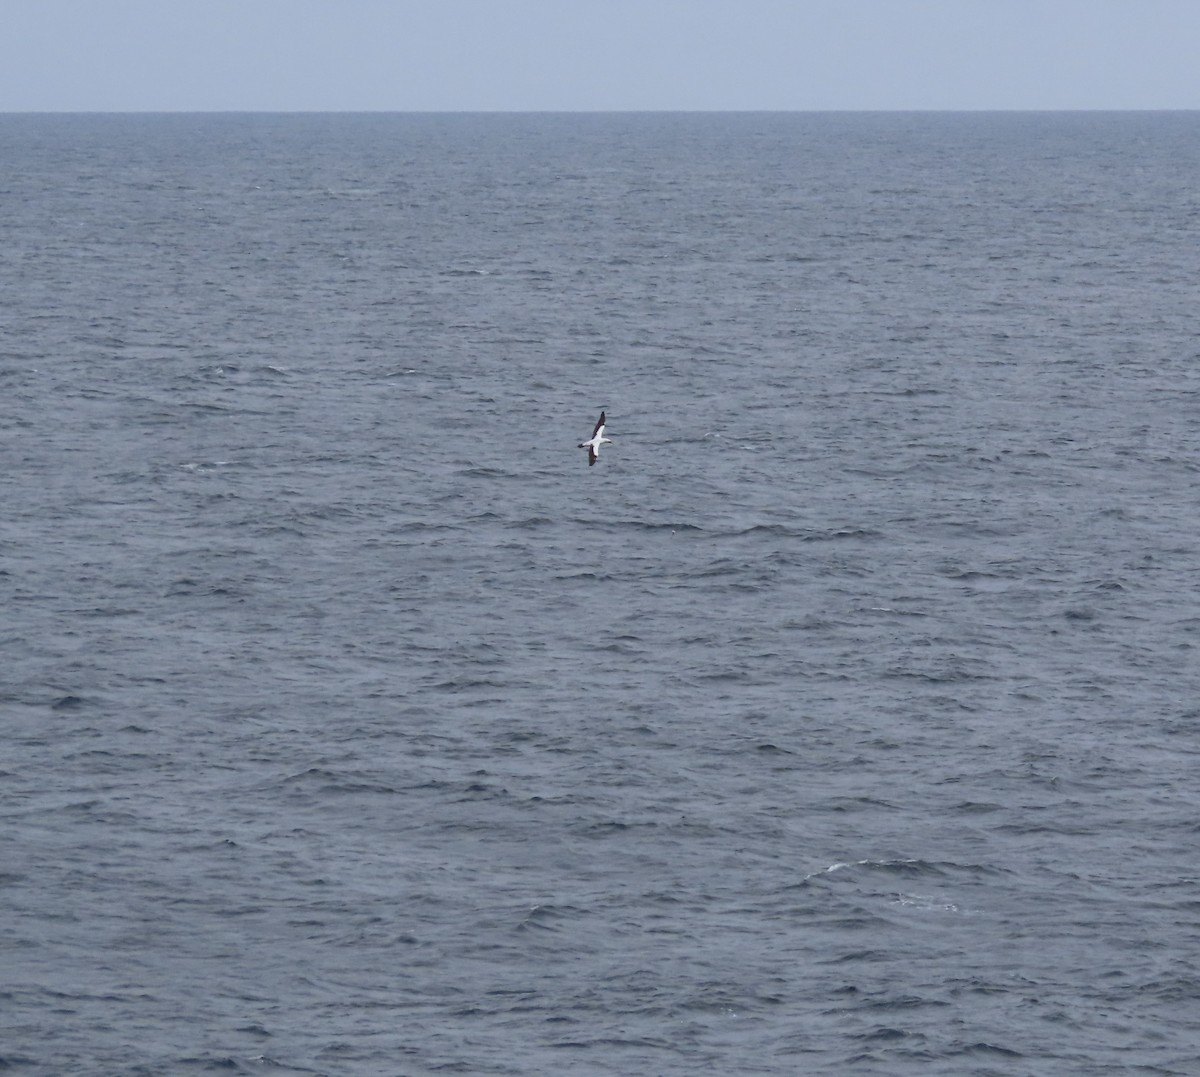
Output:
[[567, 111]]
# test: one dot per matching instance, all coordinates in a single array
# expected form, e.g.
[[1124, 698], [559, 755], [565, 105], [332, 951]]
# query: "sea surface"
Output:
[[843, 719]]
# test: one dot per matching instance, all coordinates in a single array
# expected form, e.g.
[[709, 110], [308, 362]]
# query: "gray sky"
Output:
[[134, 55]]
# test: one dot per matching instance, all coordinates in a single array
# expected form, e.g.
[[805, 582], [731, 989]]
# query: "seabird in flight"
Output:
[[598, 439]]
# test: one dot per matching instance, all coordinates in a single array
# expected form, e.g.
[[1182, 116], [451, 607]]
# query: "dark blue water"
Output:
[[844, 718]]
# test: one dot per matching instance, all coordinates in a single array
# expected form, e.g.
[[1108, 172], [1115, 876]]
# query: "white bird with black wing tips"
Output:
[[598, 439]]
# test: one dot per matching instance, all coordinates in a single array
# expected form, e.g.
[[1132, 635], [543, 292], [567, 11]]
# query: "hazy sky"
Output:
[[130, 55]]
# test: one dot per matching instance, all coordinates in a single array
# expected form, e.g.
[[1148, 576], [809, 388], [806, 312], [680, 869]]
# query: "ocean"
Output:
[[844, 718]]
